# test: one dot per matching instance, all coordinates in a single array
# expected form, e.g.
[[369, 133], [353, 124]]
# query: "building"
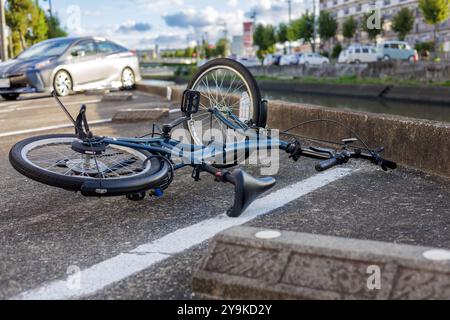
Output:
[[249, 48], [237, 46], [422, 32]]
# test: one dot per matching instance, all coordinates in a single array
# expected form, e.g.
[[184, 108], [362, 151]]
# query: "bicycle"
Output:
[[222, 95]]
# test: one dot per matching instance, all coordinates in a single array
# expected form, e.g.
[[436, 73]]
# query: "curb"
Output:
[[290, 265]]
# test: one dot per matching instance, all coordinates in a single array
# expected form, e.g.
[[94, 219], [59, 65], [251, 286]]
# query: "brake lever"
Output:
[[331, 152]]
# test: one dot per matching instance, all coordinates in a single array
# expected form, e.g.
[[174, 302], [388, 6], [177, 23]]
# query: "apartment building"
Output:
[[342, 9]]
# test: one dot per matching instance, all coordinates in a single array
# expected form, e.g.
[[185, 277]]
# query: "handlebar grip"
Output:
[[327, 164]]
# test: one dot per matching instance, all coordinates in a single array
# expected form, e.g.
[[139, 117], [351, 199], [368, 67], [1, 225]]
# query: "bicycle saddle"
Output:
[[247, 189]]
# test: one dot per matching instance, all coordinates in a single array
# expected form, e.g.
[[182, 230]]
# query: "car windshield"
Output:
[[46, 49]]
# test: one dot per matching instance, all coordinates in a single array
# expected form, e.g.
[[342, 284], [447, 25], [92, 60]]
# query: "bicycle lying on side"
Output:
[[222, 96]]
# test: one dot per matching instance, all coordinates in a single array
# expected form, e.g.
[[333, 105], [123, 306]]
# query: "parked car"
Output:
[[358, 54], [397, 50], [68, 65], [288, 59], [249, 62], [308, 59], [272, 59]]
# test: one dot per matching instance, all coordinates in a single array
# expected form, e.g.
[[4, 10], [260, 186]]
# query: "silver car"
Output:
[[68, 65]]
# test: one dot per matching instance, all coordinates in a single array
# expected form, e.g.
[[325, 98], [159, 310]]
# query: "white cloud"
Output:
[[233, 3]]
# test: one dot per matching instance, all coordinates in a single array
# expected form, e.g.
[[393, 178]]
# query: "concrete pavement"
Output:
[[44, 231]]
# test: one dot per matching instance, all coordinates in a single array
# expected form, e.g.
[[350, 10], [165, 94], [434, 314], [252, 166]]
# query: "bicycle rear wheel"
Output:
[[117, 171]]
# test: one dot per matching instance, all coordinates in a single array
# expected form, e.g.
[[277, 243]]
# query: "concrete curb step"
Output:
[[141, 114], [252, 263], [117, 96]]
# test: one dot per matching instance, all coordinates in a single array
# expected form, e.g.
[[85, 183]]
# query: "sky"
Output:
[[140, 24]]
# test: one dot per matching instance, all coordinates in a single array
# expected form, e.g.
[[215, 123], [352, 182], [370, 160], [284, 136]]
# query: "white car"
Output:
[[288, 59], [249, 62], [358, 54], [316, 59]]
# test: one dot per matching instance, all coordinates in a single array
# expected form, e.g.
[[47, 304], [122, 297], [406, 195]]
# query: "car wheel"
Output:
[[128, 79], [386, 58], [411, 59], [307, 63], [357, 61], [10, 96], [62, 83]]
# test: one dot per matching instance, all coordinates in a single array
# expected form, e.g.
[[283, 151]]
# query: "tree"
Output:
[[54, 27], [349, 28], [264, 38], [403, 22], [372, 23], [27, 23], [435, 12], [303, 28], [282, 34], [39, 29], [327, 26], [222, 47]]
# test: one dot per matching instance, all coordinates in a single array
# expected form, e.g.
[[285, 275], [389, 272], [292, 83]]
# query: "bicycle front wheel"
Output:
[[117, 171]]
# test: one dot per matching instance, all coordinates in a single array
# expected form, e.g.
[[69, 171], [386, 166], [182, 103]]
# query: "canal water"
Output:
[[407, 109]]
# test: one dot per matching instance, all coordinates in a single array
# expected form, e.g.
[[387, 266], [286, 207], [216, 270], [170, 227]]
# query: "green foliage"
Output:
[[349, 27], [327, 26], [222, 46], [424, 46], [54, 27], [336, 51], [302, 28], [264, 38], [29, 24], [403, 22], [367, 20], [282, 33], [435, 11]]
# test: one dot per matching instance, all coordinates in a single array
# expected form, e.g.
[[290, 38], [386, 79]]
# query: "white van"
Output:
[[359, 54]]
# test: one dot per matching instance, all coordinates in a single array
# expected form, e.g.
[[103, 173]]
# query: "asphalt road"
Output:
[[44, 230]]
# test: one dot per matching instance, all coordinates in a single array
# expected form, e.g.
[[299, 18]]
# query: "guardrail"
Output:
[[415, 143]]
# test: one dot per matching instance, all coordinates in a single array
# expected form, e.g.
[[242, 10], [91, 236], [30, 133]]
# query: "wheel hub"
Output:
[[87, 166]]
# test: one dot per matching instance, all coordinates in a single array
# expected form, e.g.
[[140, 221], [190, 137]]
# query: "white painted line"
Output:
[[174, 110], [59, 126], [72, 104], [126, 264]]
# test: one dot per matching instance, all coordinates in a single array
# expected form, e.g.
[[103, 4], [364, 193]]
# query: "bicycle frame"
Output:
[[196, 155]]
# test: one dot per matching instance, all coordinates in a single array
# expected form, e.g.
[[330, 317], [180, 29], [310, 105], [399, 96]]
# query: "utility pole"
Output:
[[50, 8], [3, 40], [315, 25], [290, 21]]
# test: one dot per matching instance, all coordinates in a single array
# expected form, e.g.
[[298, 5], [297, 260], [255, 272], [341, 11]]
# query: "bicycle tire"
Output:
[[151, 179]]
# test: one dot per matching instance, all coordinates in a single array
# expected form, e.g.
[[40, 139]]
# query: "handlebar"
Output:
[[331, 158]]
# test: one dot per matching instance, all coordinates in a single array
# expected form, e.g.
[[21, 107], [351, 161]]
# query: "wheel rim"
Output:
[[227, 90], [127, 78], [63, 83], [55, 156]]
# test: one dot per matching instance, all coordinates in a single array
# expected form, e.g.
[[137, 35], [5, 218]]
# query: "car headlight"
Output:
[[42, 64]]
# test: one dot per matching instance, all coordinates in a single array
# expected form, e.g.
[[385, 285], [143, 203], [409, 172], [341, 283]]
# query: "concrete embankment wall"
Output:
[[420, 144], [438, 95], [422, 71]]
